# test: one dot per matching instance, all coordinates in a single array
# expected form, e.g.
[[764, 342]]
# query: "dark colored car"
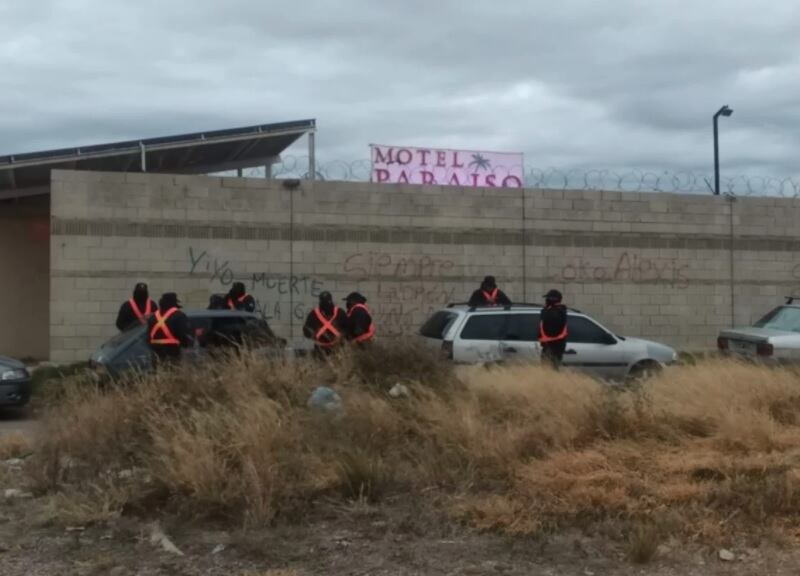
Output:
[[212, 330], [15, 383]]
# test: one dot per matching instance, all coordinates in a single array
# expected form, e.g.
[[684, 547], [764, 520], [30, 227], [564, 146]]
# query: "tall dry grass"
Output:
[[519, 449]]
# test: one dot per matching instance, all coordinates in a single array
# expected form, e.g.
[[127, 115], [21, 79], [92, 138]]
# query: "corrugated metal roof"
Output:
[[196, 153]]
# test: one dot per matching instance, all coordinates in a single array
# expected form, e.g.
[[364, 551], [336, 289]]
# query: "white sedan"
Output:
[[774, 338]]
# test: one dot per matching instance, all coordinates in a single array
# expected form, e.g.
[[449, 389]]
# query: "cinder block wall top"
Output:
[[654, 265]]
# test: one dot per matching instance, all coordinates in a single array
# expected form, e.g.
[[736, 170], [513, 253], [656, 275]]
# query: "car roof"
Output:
[[220, 313], [522, 306]]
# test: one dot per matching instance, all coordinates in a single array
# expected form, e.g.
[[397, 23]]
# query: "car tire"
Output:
[[644, 370]]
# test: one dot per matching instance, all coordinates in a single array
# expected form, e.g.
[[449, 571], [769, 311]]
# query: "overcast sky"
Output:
[[571, 83]]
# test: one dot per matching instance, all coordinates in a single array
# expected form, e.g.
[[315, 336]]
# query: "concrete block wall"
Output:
[[650, 265]]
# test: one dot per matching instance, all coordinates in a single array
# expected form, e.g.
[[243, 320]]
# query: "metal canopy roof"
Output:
[[198, 153]]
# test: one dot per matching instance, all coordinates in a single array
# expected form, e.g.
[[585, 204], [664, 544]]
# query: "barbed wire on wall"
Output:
[[571, 179]]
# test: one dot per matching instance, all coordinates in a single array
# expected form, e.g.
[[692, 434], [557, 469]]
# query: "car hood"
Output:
[[7, 362], [655, 350], [753, 334]]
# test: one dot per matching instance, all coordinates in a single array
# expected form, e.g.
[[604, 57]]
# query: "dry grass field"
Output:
[[705, 455]]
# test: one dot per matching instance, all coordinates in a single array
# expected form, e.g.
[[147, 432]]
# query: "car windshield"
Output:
[[783, 318]]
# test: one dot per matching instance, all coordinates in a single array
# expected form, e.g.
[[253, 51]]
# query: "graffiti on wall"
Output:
[[402, 307], [629, 267], [269, 291], [409, 287], [370, 265]]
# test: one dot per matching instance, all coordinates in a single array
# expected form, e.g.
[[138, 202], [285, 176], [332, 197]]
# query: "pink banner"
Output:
[[440, 167]]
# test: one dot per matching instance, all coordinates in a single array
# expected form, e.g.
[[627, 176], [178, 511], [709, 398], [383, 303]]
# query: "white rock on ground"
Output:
[[727, 555], [12, 493], [399, 391], [158, 538]]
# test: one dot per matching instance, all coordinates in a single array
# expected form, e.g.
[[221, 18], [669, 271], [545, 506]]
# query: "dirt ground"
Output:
[[397, 537]]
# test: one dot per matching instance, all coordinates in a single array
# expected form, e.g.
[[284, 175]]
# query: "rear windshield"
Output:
[[437, 325], [782, 318], [117, 340]]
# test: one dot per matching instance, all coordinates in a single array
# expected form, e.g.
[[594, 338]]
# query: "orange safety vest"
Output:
[[240, 299], [327, 326], [167, 337], [148, 309], [370, 333], [491, 297], [545, 339]]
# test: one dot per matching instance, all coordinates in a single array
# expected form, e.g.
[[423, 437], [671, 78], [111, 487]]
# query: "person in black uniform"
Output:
[[137, 309], [360, 328], [553, 329], [489, 294], [168, 329], [239, 299], [326, 325], [217, 302]]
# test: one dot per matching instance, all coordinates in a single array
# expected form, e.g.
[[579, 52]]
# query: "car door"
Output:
[[480, 338], [592, 349], [521, 338]]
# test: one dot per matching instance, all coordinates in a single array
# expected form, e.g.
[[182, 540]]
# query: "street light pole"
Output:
[[724, 111]]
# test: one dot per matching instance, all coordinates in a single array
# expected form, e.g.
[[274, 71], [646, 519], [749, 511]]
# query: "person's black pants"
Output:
[[166, 355], [553, 353]]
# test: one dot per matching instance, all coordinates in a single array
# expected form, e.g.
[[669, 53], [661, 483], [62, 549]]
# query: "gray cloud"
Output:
[[571, 84]]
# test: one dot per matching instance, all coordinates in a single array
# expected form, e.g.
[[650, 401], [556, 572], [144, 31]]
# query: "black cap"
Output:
[[325, 297], [169, 300], [554, 296], [355, 297], [489, 281], [141, 286]]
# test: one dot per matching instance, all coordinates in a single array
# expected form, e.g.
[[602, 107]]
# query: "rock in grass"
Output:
[[158, 538], [727, 555], [325, 399], [16, 493], [399, 391]]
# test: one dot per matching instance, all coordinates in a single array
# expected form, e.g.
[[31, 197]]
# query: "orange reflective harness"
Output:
[[142, 316], [370, 333], [168, 338], [327, 326], [490, 297], [240, 299]]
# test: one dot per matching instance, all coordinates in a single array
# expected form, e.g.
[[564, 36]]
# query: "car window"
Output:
[[522, 327], [485, 327], [584, 331], [134, 331], [782, 318], [438, 324]]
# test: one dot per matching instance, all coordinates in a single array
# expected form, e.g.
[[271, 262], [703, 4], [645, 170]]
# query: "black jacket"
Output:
[[127, 318], [359, 322], [553, 320], [247, 303], [178, 325], [478, 298], [313, 324]]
